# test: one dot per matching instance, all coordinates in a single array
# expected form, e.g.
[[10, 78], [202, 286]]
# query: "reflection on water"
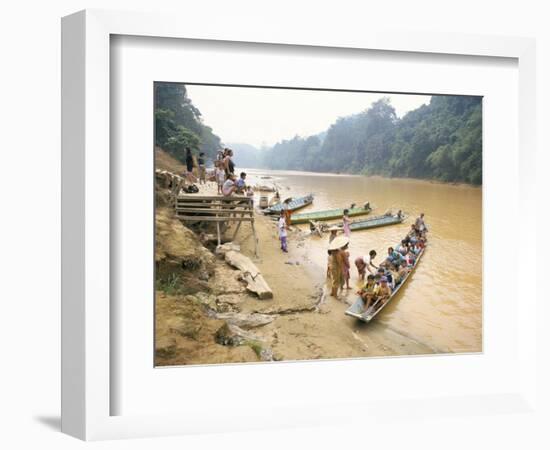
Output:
[[441, 303]]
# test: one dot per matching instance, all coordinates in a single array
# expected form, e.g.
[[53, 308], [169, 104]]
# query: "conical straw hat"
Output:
[[338, 242]]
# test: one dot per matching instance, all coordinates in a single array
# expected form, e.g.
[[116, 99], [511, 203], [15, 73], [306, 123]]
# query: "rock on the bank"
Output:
[[246, 320], [250, 274], [233, 335], [222, 249]]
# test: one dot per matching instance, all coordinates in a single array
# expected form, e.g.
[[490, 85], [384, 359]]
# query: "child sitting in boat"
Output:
[[368, 291], [410, 259], [394, 256], [385, 272], [413, 233], [403, 269], [403, 248], [416, 248], [395, 275], [384, 291]]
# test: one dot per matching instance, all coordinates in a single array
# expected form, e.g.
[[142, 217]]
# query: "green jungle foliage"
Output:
[[439, 141], [178, 123]]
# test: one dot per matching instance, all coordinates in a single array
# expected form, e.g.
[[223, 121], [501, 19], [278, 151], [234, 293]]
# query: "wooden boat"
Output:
[[374, 222], [264, 202], [357, 310], [293, 205], [264, 188], [329, 214]]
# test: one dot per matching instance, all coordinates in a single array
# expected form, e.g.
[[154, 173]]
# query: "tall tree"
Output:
[[178, 123]]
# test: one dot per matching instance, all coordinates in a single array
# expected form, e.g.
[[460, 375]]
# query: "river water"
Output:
[[441, 304]]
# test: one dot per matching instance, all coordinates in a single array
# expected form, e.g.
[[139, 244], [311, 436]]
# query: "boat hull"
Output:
[[357, 308], [331, 214], [294, 205], [376, 222]]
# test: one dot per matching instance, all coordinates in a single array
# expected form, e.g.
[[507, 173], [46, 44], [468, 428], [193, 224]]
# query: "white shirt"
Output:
[[220, 175], [226, 189], [282, 227]]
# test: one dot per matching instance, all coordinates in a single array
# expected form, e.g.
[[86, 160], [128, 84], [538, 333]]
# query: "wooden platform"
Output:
[[219, 209]]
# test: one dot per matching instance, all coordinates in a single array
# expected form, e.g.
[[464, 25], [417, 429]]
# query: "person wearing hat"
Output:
[[337, 264], [333, 233]]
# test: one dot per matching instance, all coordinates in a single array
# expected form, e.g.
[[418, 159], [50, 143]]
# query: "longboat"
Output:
[[357, 309], [293, 205], [329, 214], [375, 222]]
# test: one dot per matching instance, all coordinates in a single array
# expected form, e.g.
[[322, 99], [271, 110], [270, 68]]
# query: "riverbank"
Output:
[[204, 315]]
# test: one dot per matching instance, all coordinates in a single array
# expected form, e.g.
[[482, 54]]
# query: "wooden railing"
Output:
[[219, 209]]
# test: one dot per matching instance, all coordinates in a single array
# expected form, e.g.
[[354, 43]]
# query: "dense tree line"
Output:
[[178, 123], [441, 140]]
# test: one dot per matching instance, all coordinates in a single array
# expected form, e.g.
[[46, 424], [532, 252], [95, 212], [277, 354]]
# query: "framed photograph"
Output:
[[248, 217]]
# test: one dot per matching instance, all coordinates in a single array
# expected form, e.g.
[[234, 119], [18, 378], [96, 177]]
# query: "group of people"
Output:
[[224, 173], [382, 279], [226, 179]]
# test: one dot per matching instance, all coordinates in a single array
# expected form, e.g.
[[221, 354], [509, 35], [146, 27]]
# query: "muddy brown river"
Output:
[[441, 304]]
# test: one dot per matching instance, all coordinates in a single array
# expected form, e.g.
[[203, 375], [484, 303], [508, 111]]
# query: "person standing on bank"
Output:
[[346, 223], [228, 162], [337, 264], [281, 225], [189, 160], [202, 169]]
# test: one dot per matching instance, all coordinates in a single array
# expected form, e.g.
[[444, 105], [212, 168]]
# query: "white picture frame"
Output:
[[86, 221]]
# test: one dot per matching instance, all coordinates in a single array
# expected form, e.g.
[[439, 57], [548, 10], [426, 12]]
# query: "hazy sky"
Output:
[[260, 116]]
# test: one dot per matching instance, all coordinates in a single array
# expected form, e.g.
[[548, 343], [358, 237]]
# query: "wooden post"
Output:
[[237, 229], [219, 235], [255, 240]]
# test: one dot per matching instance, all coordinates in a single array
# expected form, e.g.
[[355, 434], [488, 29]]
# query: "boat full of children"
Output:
[[390, 276]]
